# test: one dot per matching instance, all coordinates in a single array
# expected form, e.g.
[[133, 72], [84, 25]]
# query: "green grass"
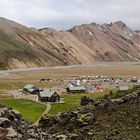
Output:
[[71, 101], [2, 68], [119, 94], [60, 58], [29, 109]]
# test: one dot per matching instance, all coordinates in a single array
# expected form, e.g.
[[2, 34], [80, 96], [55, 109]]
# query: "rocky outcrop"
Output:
[[14, 127], [109, 102], [103, 119], [85, 101]]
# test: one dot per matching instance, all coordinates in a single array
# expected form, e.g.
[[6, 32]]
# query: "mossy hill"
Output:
[[102, 119]]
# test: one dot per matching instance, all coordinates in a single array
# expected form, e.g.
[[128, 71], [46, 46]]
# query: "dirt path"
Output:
[[45, 112], [19, 95]]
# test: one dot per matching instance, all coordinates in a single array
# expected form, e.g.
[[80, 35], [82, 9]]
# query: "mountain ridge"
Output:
[[22, 47]]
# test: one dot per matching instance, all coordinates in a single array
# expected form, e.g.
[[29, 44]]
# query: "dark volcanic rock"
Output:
[[13, 127], [103, 119], [85, 101]]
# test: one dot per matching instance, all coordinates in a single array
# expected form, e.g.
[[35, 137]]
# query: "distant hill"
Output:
[[22, 47]]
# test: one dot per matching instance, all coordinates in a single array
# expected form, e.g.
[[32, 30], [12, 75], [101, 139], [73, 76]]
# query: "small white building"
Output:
[[138, 81], [123, 88]]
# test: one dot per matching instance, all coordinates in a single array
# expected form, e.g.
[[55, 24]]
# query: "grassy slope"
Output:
[[120, 122], [71, 101], [30, 110], [119, 94], [11, 47], [124, 119]]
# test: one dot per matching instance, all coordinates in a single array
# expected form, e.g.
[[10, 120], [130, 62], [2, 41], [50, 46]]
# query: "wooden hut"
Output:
[[48, 95]]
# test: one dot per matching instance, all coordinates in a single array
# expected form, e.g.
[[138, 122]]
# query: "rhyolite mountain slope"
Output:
[[22, 47]]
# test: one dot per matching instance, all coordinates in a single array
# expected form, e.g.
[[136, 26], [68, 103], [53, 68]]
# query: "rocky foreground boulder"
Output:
[[103, 119], [14, 127]]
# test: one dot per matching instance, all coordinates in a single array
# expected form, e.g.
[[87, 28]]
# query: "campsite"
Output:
[[85, 82]]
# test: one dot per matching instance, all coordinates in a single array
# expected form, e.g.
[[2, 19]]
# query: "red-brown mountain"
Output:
[[22, 47]]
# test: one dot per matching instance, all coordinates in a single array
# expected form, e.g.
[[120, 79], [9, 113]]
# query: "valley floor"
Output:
[[12, 80], [98, 68]]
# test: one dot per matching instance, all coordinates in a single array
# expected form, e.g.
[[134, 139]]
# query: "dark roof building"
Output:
[[30, 89], [48, 95]]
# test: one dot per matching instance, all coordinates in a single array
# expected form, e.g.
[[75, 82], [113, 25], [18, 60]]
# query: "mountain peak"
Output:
[[119, 23], [93, 23], [7, 24]]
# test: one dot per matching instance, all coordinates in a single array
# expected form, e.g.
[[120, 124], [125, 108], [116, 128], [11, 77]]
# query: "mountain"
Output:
[[110, 42], [22, 47]]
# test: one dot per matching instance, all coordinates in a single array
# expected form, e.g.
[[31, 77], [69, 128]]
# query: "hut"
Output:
[[30, 89], [123, 88], [76, 89], [48, 95]]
